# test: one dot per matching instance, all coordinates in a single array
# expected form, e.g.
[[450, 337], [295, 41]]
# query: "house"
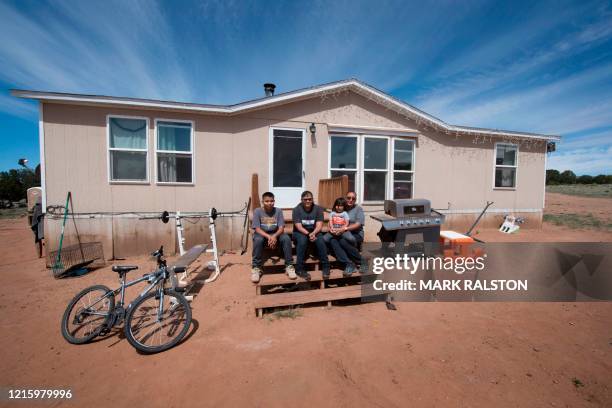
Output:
[[123, 156]]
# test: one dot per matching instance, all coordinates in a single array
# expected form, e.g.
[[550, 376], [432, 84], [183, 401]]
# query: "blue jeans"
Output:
[[345, 246], [259, 243], [301, 246]]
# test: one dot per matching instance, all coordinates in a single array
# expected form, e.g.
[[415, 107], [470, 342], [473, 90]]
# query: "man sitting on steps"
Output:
[[307, 226], [269, 226]]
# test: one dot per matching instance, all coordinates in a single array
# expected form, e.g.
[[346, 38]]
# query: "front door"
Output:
[[287, 166]]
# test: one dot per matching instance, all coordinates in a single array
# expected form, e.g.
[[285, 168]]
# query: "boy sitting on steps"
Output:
[[269, 226]]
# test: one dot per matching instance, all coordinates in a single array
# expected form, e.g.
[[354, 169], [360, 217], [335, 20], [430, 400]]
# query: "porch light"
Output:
[[313, 130]]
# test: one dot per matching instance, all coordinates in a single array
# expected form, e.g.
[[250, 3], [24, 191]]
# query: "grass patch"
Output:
[[584, 190], [291, 313], [16, 212], [578, 221]]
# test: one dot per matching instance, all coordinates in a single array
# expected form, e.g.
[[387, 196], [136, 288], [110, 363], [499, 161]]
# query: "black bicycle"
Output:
[[155, 321]]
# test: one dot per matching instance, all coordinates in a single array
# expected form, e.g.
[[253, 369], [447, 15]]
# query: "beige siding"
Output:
[[227, 150]]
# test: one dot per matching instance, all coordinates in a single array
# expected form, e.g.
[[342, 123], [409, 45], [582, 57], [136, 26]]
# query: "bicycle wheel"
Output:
[[150, 334], [87, 313]]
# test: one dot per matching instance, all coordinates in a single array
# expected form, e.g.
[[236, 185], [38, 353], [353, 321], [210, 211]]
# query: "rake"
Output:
[[73, 259]]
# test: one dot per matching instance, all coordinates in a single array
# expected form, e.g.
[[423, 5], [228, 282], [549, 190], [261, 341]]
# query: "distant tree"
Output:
[[567, 177], [15, 182], [552, 177], [602, 179], [585, 179]]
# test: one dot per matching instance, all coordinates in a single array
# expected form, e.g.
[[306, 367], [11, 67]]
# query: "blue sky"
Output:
[[533, 66]]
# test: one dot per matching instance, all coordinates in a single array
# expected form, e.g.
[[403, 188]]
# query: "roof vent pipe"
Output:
[[269, 89]]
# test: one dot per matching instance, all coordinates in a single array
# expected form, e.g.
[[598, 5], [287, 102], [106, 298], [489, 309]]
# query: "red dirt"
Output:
[[560, 204], [423, 354]]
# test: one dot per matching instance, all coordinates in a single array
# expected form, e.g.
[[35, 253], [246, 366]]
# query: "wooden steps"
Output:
[[306, 296], [300, 291]]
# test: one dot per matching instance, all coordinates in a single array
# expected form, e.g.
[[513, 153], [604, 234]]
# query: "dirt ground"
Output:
[[558, 205], [423, 354]]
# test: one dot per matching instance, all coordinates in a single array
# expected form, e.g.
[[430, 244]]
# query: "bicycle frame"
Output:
[[158, 276]]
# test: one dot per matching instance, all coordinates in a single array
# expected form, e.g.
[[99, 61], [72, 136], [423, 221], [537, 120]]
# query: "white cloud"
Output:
[[595, 139], [122, 48], [20, 108]]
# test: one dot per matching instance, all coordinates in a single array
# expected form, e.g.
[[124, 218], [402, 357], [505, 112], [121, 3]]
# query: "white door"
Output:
[[287, 165]]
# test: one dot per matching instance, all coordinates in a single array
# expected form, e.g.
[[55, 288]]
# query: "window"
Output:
[[344, 158], [374, 168], [287, 158], [403, 169], [505, 165], [127, 149], [174, 150], [378, 167]]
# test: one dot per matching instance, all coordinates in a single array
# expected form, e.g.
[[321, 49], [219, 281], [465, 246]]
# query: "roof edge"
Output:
[[362, 88]]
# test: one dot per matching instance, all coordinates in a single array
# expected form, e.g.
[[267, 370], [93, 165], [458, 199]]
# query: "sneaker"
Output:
[[349, 269], [304, 275], [363, 267], [255, 274], [325, 273], [290, 271]]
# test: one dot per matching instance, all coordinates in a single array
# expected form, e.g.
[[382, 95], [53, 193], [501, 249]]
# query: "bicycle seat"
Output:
[[124, 268]]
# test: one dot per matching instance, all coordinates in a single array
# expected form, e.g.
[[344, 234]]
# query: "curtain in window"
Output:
[[166, 172], [174, 136], [128, 133]]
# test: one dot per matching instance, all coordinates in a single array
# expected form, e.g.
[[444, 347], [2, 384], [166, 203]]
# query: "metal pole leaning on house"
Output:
[[489, 203]]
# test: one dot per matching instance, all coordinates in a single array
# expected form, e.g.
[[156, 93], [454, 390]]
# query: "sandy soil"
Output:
[[423, 354], [563, 204], [559, 204]]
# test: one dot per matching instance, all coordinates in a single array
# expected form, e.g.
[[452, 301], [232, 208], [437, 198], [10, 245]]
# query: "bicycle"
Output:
[[155, 321]]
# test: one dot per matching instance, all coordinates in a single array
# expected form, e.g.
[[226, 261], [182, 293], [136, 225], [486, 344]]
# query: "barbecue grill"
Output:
[[408, 222]]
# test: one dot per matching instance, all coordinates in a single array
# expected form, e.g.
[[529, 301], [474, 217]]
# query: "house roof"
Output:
[[354, 85]]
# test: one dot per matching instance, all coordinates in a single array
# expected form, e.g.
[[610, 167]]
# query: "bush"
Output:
[[552, 177], [15, 182], [602, 179], [567, 177]]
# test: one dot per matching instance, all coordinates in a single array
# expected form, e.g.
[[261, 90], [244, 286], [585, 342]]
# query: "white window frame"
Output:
[[119, 149], [363, 169], [515, 167], [359, 177], [271, 161], [191, 152], [392, 167], [357, 153]]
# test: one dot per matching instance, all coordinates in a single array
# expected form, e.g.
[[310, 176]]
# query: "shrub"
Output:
[[14, 183], [602, 179], [585, 179], [567, 177], [552, 176]]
